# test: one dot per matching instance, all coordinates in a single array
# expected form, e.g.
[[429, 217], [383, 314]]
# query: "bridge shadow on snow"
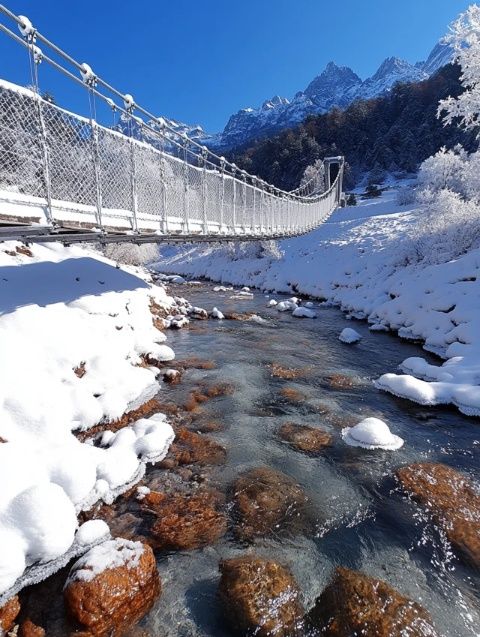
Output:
[[47, 282]]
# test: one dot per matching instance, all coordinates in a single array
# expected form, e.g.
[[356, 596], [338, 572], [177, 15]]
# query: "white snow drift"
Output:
[[73, 328]]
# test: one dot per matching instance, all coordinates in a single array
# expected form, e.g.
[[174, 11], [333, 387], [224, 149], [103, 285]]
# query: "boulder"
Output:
[[267, 501], [355, 604], [260, 597], [452, 499], [186, 521], [305, 438], [8, 614], [111, 587]]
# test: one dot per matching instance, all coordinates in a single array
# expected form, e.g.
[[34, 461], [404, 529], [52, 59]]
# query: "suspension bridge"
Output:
[[70, 178]]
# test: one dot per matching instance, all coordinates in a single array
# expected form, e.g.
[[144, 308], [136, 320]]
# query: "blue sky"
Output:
[[201, 60]]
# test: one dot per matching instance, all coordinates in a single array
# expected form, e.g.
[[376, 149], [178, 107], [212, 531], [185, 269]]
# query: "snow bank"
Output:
[[371, 433], [360, 261], [73, 329]]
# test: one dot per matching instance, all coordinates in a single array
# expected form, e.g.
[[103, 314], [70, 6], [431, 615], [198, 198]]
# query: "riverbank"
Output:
[[363, 260]]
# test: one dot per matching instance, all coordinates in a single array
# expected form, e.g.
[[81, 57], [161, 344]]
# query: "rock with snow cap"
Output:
[[371, 433], [348, 335], [111, 587]]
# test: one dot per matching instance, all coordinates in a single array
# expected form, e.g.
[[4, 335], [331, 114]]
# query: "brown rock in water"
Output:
[[453, 500], [208, 426], [8, 614], [186, 521], [28, 629], [292, 395], [340, 381], [260, 597], [267, 501], [288, 373], [305, 438], [194, 363], [238, 316], [356, 604], [192, 448], [114, 599]]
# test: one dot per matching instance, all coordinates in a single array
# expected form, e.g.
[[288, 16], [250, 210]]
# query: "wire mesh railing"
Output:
[[140, 176]]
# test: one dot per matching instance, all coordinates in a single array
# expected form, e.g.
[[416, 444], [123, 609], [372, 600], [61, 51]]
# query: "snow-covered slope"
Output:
[[359, 261], [73, 328]]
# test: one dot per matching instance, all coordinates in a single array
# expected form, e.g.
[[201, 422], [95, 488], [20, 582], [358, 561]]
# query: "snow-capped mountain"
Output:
[[336, 86]]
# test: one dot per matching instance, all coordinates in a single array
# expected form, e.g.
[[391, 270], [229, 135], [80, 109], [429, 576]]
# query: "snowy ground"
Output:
[[73, 328], [361, 260]]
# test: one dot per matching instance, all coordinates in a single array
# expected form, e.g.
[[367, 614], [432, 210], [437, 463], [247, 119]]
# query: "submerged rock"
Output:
[[305, 438], [292, 395], [192, 448], [267, 501], [28, 629], [8, 614], [260, 597], [112, 587], [453, 500], [356, 604], [186, 521]]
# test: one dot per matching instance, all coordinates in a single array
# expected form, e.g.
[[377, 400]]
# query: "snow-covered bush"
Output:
[[314, 176], [254, 250], [405, 195], [448, 228], [131, 253], [444, 170]]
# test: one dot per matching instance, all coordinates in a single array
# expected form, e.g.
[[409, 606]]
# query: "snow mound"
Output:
[[287, 306], [110, 554], [272, 303], [371, 433], [216, 314], [304, 312], [349, 336]]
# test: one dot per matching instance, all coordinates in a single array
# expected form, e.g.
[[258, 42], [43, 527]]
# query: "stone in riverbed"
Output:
[[356, 604], [192, 448], [186, 521], [305, 438], [267, 501], [111, 587], [28, 629], [8, 614], [453, 500], [260, 597]]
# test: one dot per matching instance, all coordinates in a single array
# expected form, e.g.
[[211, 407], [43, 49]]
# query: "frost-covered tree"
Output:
[[314, 177], [465, 39], [444, 170]]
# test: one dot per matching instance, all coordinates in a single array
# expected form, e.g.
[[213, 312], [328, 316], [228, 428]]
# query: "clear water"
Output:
[[361, 519]]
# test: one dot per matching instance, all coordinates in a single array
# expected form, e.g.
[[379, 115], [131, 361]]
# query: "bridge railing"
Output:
[[64, 170]]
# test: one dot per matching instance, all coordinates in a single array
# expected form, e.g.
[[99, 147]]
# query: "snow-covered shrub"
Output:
[[405, 195], [444, 170], [254, 250], [448, 228], [131, 253]]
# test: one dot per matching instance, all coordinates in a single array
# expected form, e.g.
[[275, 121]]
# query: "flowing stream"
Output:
[[361, 518]]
